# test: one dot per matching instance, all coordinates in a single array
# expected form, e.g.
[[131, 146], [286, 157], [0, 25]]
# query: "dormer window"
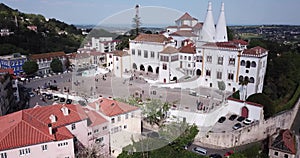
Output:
[[65, 111]]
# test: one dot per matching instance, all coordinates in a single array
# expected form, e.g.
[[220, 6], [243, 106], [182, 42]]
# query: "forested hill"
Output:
[[51, 34]]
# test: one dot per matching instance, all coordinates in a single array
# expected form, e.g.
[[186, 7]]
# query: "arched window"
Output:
[[246, 78], [248, 64], [253, 64], [243, 63], [241, 78], [251, 80]]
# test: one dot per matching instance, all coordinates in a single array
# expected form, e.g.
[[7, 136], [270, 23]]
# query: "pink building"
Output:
[[51, 131]]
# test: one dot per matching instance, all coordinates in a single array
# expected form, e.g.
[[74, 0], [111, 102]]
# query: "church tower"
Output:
[[221, 30], [208, 30]]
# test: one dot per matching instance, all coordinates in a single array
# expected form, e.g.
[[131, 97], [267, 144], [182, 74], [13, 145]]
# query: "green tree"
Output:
[[230, 34], [30, 67], [56, 65], [67, 63], [155, 111], [260, 98]]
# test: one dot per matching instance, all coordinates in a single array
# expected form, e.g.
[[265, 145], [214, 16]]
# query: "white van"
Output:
[[200, 150]]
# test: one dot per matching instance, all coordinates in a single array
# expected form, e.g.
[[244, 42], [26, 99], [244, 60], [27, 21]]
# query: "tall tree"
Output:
[[56, 65], [30, 67], [137, 20]]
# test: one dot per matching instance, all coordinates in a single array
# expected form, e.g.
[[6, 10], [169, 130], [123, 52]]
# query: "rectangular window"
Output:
[[133, 51], [230, 76], [44, 147], [25, 151], [231, 61], [174, 58], [132, 115], [119, 118], [3, 155], [208, 72], [164, 66], [126, 116], [145, 54], [276, 153], [104, 128], [219, 75], [125, 126], [152, 54], [180, 56], [113, 120], [73, 126], [89, 133], [209, 59], [189, 58], [139, 52], [220, 60], [96, 131], [164, 58]]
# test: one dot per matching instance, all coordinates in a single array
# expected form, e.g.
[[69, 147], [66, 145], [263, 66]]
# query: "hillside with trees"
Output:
[[33, 34]]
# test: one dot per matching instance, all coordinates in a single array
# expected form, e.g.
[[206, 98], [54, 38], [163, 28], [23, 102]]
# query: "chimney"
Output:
[[50, 128], [97, 106], [65, 111], [52, 118]]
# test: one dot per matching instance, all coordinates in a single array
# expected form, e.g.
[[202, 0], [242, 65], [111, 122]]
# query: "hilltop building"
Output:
[[14, 61]]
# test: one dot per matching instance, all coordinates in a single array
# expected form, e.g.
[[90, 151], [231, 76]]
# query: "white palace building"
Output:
[[201, 51]]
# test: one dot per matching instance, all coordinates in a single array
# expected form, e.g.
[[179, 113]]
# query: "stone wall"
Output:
[[256, 131]]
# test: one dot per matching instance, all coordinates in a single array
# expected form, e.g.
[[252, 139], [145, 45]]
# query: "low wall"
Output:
[[256, 131]]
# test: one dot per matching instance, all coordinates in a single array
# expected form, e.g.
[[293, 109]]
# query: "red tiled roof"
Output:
[[47, 56], [198, 26], [151, 38], [185, 33], [241, 42], [285, 142], [189, 48], [111, 107], [186, 16], [256, 51], [222, 45], [42, 113], [9, 71], [96, 119], [185, 26], [169, 50], [22, 129], [247, 102], [119, 53]]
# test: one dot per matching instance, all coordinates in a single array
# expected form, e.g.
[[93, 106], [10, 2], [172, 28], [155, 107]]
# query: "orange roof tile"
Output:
[[21, 129], [185, 33], [256, 51], [169, 50], [47, 56], [120, 53], [95, 118], [189, 48], [111, 107], [9, 71], [222, 45], [151, 38], [242, 42], [198, 26], [186, 16], [285, 142]]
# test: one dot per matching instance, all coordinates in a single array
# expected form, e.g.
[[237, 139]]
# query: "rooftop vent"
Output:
[[52, 118], [65, 111]]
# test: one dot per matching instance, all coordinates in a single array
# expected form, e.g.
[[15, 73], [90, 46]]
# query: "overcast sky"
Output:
[[238, 12]]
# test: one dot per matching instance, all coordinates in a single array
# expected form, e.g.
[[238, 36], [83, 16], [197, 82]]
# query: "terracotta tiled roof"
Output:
[[9, 71], [95, 118], [169, 50], [42, 113], [284, 142], [95, 53], [186, 16], [256, 51], [242, 42], [222, 45], [119, 53], [198, 26], [111, 107], [185, 26], [46, 56], [241, 101], [22, 129], [185, 33], [151, 38], [189, 48]]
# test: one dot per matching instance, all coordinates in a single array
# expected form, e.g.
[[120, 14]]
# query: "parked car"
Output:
[[227, 154], [241, 118], [237, 126], [62, 100], [49, 96], [222, 119], [232, 117], [69, 101], [31, 94], [200, 151], [56, 98], [248, 121], [215, 156], [193, 93]]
